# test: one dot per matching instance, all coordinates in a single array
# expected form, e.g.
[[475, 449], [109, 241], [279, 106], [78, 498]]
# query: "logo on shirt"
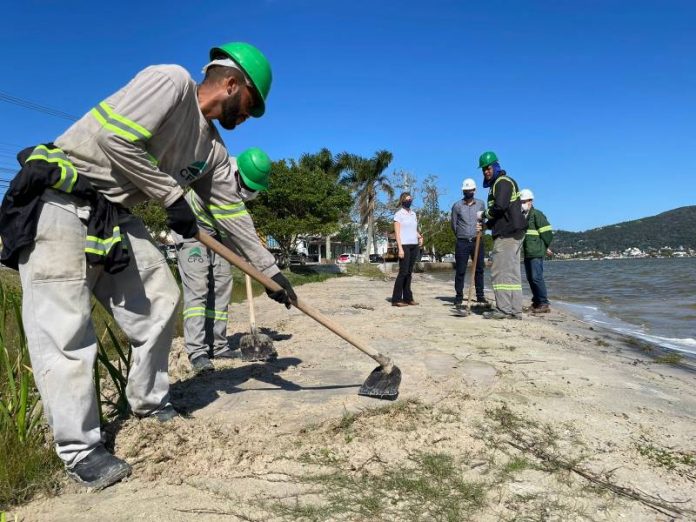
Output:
[[194, 170], [195, 255]]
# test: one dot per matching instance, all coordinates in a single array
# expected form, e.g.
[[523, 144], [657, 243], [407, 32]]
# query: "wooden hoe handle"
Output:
[[315, 314]]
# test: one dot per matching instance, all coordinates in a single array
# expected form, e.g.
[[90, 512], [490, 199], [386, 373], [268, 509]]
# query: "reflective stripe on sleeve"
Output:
[[68, 172], [544, 229], [119, 124], [228, 212]]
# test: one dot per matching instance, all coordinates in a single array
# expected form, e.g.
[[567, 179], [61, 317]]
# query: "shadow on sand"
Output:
[[201, 390]]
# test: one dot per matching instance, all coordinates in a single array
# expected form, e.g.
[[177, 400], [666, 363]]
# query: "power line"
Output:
[[21, 102]]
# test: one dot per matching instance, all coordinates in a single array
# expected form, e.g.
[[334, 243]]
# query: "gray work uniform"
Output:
[[146, 141], [505, 274], [207, 282]]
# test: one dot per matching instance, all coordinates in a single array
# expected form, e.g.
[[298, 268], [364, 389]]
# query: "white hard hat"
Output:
[[469, 184], [526, 194]]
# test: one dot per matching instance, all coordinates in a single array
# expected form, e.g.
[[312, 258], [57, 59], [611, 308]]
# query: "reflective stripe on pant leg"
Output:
[[56, 312], [143, 299], [193, 263], [222, 277], [506, 275]]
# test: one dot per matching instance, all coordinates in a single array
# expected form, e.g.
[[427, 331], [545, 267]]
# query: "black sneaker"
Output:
[[99, 469], [226, 354], [202, 364], [165, 414], [482, 300]]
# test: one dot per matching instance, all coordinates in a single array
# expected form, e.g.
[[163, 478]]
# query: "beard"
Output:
[[231, 109]]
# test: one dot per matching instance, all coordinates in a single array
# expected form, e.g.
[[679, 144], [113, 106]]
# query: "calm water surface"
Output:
[[652, 299]]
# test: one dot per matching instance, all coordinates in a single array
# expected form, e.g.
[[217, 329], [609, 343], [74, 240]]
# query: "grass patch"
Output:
[[669, 358], [26, 468], [364, 269], [299, 278], [27, 463], [430, 486], [516, 464], [667, 458]]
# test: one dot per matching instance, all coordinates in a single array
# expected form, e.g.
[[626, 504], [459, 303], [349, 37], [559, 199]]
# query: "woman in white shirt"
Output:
[[409, 241]]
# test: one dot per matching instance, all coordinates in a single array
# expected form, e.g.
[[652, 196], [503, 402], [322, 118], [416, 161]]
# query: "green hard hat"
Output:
[[254, 64], [487, 158], [254, 166]]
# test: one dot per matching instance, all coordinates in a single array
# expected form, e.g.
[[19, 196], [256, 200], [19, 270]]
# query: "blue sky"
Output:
[[588, 103]]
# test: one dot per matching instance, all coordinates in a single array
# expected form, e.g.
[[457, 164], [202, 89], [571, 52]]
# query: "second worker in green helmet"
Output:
[[205, 276], [152, 139]]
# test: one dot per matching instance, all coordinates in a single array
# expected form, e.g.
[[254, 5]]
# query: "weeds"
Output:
[[118, 372], [365, 270], [667, 458], [27, 464], [669, 358], [20, 407], [430, 487]]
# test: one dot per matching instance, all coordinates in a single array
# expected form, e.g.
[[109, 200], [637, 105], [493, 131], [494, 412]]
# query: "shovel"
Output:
[[255, 346], [382, 383]]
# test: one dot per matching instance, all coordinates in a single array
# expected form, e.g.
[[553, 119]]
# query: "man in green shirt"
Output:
[[536, 245]]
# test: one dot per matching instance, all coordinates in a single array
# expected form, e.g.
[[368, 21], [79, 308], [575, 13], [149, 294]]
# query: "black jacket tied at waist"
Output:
[[47, 167]]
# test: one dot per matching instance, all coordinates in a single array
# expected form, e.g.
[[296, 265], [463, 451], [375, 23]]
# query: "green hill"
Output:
[[674, 228]]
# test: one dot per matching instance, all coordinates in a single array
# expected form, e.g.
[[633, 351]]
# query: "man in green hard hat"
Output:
[[66, 226], [504, 218], [206, 277]]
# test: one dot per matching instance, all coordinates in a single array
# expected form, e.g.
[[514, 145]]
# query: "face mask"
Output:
[[407, 204], [468, 195], [526, 206]]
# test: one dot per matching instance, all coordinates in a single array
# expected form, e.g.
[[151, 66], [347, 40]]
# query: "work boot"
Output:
[[202, 364], [497, 314], [165, 414], [99, 469], [541, 309], [226, 354], [482, 300]]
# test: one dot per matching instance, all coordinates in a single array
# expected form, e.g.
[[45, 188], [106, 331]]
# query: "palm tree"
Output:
[[366, 176]]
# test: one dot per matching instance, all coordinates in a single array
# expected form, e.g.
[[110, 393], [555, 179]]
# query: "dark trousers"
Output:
[[462, 252], [402, 285], [534, 267]]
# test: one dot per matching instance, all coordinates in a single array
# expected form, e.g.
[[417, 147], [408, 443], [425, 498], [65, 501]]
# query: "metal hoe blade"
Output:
[[381, 384], [257, 347]]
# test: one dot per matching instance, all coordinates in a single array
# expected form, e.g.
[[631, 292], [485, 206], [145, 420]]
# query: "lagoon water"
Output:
[[651, 299]]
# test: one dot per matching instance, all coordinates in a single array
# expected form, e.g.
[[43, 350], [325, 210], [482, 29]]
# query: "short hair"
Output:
[[215, 73], [403, 197]]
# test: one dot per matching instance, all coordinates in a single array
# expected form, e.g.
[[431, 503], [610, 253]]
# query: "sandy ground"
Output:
[[541, 419]]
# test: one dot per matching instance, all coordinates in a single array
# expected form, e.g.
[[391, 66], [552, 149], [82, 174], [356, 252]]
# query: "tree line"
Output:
[[322, 193]]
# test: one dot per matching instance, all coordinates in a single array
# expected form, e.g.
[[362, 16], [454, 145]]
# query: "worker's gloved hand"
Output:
[[180, 218], [285, 296]]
